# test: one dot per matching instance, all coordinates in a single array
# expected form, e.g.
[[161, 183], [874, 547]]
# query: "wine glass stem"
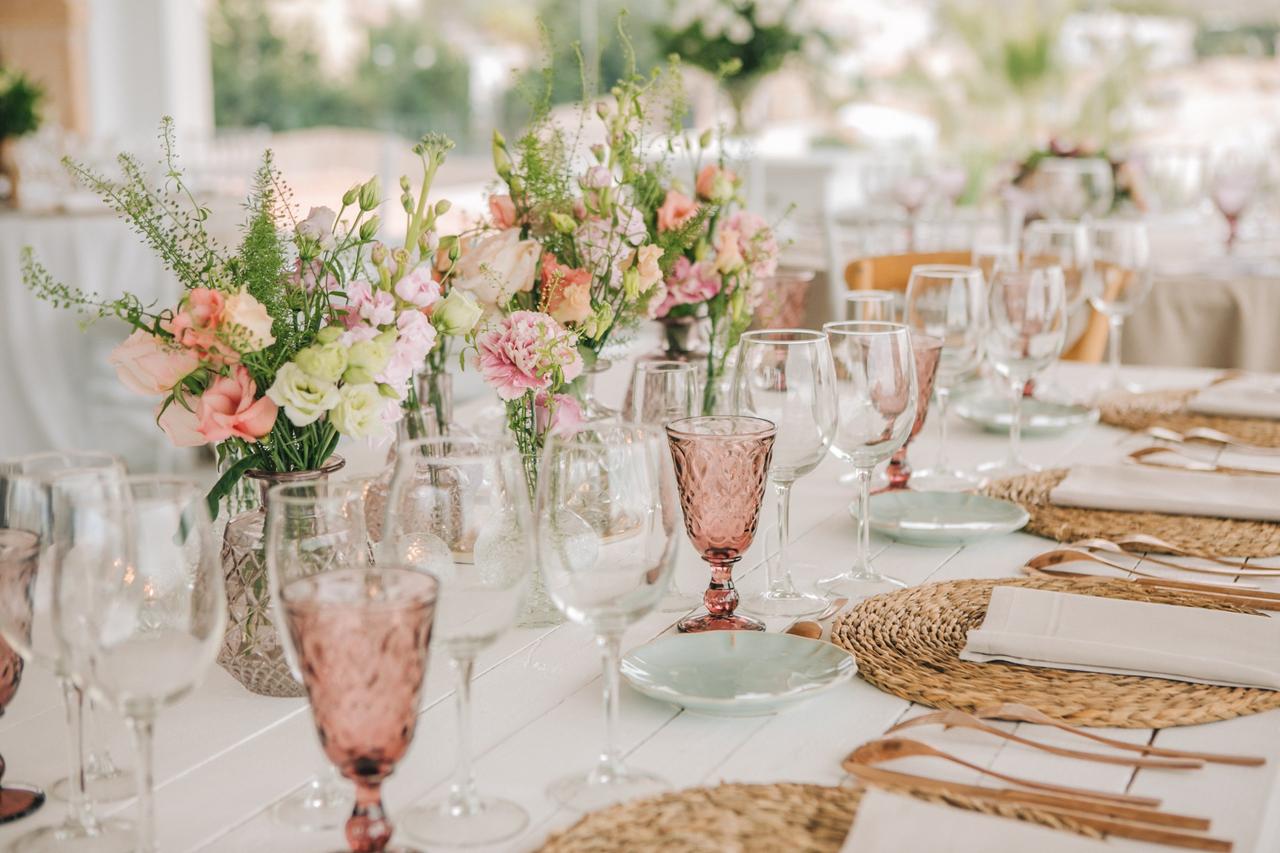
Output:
[[778, 572], [1015, 424], [1117, 326], [462, 794], [944, 397], [79, 809], [862, 558], [610, 764], [143, 730]]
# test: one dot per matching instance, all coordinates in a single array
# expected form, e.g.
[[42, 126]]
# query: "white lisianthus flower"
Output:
[[249, 321], [365, 360], [318, 226], [304, 398], [326, 362], [359, 413], [456, 314]]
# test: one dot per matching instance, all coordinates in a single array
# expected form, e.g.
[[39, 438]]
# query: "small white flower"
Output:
[[318, 226], [305, 398], [739, 31], [359, 412]]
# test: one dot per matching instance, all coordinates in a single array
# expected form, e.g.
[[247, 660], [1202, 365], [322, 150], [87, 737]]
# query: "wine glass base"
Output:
[[791, 604], [933, 480], [710, 622], [858, 586], [18, 801], [315, 807], [108, 788], [594, 790], [678, 602], [110, 836], [441, 824]]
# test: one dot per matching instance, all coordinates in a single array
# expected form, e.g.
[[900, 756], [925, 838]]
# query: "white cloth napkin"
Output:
[[1084, 632], [1139, 488], [894, 823], [1246, 397]]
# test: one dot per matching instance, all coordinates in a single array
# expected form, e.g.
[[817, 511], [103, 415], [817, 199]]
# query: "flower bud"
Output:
[[501, 159], [369, 227], [350, 196], [597, 151], [705, 139], [602, 109], [387, 391], [442, 206], [401, 256], [517, 184], [378, 254], [404, 183], [328, 334], [369, 196], [564, 224], [406, 201]]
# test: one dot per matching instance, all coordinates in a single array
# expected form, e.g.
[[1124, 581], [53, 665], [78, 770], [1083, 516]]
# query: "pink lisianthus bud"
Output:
[[503, 211]]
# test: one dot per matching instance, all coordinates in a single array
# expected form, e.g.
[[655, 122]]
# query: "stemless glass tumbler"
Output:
[[459, 508], [786, 376], [605, 543], [721, 464], [877, 390]]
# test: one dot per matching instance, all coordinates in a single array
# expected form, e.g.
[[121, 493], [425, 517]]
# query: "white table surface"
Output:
[[224, 755]]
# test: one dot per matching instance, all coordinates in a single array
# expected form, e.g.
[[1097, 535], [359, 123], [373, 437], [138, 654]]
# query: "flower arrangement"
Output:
[[1126, 179], [739, 41], [302, 335], [722, 271]]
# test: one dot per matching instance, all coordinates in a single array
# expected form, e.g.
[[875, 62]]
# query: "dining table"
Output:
[[224, 755]]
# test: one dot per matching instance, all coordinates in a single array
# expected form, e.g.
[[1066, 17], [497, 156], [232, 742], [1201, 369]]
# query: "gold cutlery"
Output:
[[1204, 435], [1074, 554], [1256, 600], [1140, 544], [811, 629], [1017, 712], [959, 719], [1149, 457], [890, 749]]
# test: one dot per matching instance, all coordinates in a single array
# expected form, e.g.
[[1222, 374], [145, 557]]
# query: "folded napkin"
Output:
[[1084, 632], [1246, 397], [1188, 457], [1138, 488], [894, 823]]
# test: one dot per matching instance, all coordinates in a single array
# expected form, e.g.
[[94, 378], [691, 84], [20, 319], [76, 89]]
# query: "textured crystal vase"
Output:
[[539, 610], [251, 649]]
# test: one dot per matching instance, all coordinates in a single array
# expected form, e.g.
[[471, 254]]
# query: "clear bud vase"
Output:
[[592, 408], [435, 390], [539, 610], [414, 424]]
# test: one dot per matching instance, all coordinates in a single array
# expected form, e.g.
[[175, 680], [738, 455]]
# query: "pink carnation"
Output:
[[521, 351], [756, 241], [688, 284]]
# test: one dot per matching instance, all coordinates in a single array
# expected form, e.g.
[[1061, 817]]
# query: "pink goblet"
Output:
[[927, 350], [19, 552], [361, 638], [721, 463]]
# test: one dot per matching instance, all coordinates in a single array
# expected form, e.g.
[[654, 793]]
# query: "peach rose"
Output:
[[715, 183], [677, 209], [199, 315], [648, 271], [180, 424], [497, 266], [252, 322], [728, 252], [228, 408], [147, 366], [503, 210], [567, 291]]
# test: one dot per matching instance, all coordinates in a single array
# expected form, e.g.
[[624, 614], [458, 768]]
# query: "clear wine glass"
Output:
[[1074, 187], [1028, 329], [26, 497], [360, 637], [990, 257], [926, 351], [1119, 278], [877, 390], [138, 602], [873, 306], [786, 376], [19, 558], [459, 508], [662, 392], [1233, 184], [948, 302], [605, 543], [1056, 243], [311, 527]]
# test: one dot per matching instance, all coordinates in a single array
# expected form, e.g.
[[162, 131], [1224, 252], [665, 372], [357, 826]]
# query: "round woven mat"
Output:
[[1225, 537], [1168, 409], [750, 819], [908, 643]]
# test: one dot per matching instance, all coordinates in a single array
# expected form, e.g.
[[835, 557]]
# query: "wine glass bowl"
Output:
[[721, 464], [1074, 187], [926, 352], [1118, 279], [360, 637], [1233, 184], [19, 555]]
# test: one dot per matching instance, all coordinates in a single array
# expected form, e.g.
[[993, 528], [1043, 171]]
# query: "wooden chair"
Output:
[[891, 272]]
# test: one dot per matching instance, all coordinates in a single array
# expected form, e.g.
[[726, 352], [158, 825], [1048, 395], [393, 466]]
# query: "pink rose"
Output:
[[715, 183], [146, 365], [677, 209], [688, 284], [521, 351], [196, 322], [567, 291], [503, 211], [418, 287], [180, 424], [228, 408], [497, 266], [563, 417]]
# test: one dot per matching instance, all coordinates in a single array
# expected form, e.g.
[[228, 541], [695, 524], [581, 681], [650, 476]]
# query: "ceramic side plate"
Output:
[[942, 518], [736, 673], [994, 413]]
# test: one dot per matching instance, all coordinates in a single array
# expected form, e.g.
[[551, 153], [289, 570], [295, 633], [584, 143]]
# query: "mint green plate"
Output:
[[942, 518], [994, 413], [736, 673]]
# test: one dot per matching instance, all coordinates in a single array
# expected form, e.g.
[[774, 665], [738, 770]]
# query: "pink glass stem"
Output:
[[1029, 388], [721, 599], [368, 830], [899, 471]]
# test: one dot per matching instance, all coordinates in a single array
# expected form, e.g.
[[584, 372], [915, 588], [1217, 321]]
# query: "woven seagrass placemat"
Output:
[[908, 643], [750, 819], [1224, 537], [1168, 409]]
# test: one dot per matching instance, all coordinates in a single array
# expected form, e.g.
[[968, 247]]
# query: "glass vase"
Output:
[[539, 610], [414, 424], [251, 648], [435, 391], [592, 408]]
